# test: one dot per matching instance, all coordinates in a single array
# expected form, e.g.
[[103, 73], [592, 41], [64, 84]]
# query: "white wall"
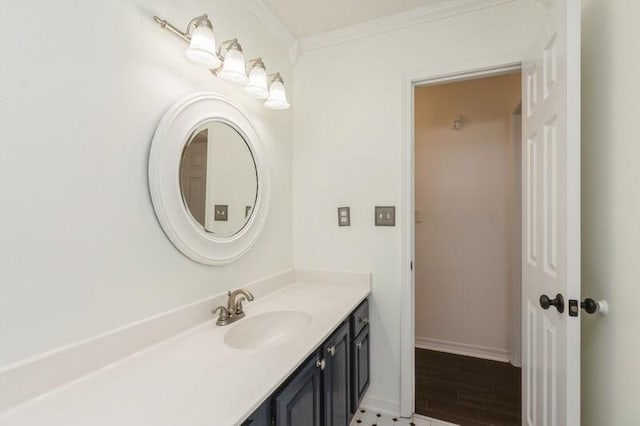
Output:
[[82, 88], [611, 211], [348, 130], [464, 242]]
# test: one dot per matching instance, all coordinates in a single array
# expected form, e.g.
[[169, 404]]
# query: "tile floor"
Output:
[[370, 418]]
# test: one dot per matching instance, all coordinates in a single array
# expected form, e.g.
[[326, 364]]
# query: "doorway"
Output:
[[467, 249]]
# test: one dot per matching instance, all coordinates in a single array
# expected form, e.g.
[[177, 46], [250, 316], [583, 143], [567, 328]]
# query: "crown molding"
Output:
[[275, 26], [440, 9]]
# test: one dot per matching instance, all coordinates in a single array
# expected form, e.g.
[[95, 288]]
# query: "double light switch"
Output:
[[384, 216]]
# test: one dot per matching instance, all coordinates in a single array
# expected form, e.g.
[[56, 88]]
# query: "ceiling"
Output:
[[304, 18]]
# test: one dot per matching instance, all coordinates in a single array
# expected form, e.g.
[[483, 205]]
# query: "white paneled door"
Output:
[[551, 221]]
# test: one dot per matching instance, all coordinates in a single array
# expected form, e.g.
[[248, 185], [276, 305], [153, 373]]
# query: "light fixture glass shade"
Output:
[[202, 49], [233, 68], [257, 85], [277, 96]]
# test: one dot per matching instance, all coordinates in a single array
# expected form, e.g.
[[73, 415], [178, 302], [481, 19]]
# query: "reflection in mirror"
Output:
[[218, 179]]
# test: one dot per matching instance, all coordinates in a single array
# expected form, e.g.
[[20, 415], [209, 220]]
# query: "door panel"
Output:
[[337, 353], [551, 218], [193, 176], [360, 366], [261, 417], [298, 402]]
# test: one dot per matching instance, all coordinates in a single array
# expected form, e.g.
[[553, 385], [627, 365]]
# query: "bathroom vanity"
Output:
[[328, 387], [303, 372]]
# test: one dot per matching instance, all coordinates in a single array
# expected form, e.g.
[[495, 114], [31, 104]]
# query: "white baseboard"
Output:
[[494, 354], [381, 405]]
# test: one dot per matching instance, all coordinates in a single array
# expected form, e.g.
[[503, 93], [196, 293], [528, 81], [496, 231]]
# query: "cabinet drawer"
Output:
[[360, 318]]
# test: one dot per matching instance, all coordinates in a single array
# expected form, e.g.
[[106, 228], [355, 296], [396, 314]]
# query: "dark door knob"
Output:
[[589, 305], [558, 302]]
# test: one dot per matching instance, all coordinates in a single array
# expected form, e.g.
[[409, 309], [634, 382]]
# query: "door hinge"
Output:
[[411, 265]]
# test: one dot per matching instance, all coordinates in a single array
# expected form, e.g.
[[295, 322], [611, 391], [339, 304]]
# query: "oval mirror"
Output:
[[208, 180], [218, 179]]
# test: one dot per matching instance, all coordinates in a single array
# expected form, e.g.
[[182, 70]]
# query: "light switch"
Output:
[[385, 216], [220, 212], [344, 216]]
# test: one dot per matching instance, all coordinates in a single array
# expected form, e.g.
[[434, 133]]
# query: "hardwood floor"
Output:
[[467, 391]]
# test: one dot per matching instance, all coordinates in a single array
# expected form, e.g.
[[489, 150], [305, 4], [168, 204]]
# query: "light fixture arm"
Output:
[[227, 45], [202, 20], [275, 77], [256, 62]]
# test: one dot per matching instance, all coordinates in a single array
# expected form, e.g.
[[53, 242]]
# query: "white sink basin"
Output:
[[266, 329]]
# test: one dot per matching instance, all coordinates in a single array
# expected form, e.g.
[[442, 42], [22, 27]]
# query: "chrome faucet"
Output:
[[234, 310]]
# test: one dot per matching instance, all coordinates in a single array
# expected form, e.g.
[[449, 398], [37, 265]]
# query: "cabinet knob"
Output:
[[321, 364], [332, 350], [363, 320], [359, 345]]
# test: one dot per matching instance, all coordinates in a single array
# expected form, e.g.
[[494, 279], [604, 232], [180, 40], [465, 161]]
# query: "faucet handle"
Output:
[[224, 312], [238, 308], [224, 318]]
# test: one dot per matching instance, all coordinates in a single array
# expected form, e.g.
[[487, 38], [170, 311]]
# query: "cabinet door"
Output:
[[360, 367], [261, 417], [298, 402], [337, 375]]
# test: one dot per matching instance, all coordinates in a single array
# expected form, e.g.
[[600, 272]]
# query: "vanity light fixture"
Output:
[[228, 61], [257, 85], [277, 95], [199, 35]]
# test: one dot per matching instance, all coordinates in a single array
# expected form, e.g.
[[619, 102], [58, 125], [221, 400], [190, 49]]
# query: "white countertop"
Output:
[[195, 378]]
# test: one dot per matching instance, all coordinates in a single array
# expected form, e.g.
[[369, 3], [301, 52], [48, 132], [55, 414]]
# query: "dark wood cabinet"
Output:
[[337, 377], [261, 417], [360, 355], [298, 403], [329, 386]]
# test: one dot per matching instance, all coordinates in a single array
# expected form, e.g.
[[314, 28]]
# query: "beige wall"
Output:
[[611, 211], [464, 191]]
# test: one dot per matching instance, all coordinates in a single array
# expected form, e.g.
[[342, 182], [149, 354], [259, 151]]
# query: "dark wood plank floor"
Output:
[[467, 391]]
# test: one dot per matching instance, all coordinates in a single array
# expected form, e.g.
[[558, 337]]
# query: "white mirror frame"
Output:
[[173, 132]]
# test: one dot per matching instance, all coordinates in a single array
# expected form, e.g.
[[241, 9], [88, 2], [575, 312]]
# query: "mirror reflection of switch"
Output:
[[344, 216], [220, 212]]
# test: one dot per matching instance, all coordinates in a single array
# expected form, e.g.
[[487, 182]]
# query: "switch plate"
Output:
[[220, 212], [385, 215], [344, 216]]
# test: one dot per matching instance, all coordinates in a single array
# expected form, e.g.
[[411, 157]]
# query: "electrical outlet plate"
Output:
[[221, 211], [418, 216], [385, 215], [344, 216]]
